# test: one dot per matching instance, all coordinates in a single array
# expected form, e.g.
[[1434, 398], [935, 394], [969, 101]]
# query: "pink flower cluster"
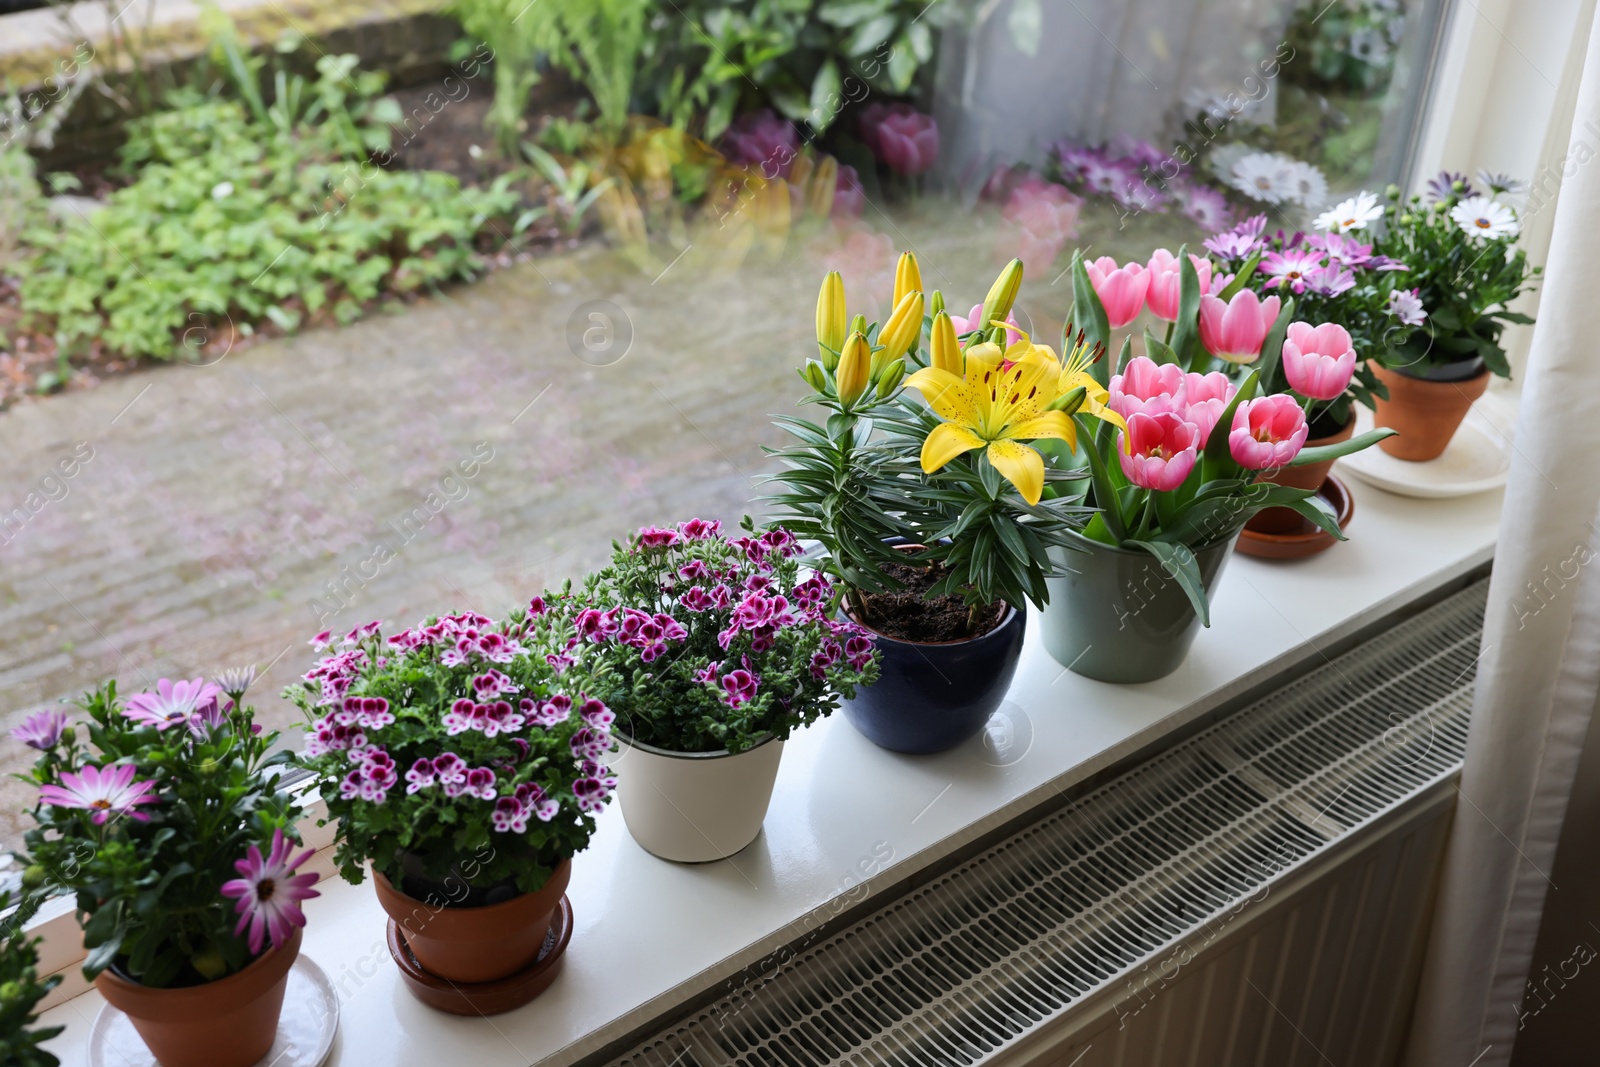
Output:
[[1046, 218]]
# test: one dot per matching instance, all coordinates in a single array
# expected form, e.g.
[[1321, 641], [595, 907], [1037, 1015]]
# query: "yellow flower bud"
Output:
[[907, 277], [890, 381], [855, 369], [831, 319], [1070, 401], [820, 187], [813, 375], [1003, 293], [936, 305], [944, 350], [903, 329]]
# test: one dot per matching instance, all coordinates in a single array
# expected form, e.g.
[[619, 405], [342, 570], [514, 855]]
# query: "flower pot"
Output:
[[227, 1023], [933, 695], [473, 945], [694, 807], [1118, 616], [1427, 410], [1311, 476]]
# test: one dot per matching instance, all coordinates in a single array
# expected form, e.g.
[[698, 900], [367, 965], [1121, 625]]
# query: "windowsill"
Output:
[[649, 934]]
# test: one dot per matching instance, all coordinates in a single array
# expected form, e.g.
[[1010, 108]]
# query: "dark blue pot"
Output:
[[931, 696]]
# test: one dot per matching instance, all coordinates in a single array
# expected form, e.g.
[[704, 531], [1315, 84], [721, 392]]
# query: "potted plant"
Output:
[[927, 499], [1174, 476], [1331, 278], [711, 651], [21, 990], [1466, 269], [162, 815], [463, 758]]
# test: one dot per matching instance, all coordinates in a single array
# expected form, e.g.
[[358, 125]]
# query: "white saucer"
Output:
[[305, 1029], [1477, 459]]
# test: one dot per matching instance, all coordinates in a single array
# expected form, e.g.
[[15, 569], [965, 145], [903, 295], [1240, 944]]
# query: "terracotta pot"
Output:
[[475, 944], [1311, 476], [227, 1023], [1426, 413], [694, 807]]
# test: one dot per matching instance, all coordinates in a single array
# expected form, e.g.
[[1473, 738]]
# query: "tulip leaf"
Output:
[[1186, 332], [1181, 566], [1156, 349], [1272, 347], [1105, 494], [1322, 453], [1216, 459], [1089, 315], [1239, 279]]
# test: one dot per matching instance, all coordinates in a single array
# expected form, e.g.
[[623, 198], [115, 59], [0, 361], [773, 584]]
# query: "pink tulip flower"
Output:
[[1148, 387], [1120, 289], [1163, 450], [901, 137], [1234, 331], [1318, 360], [1206, 395], [1267, 432], [1165, 278]]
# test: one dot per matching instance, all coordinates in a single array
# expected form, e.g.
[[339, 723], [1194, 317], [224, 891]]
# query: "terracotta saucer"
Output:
[[486, 998], [1307, 539]]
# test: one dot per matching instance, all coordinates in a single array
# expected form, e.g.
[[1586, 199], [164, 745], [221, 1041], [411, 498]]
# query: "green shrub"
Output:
[[235, 219]]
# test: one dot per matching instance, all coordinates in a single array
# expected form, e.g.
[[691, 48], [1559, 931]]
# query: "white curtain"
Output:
[[1539, 674]]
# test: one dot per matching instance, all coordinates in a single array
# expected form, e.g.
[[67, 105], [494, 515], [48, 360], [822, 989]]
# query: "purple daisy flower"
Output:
[[171, 704], [270, 893], [1240, 241], [105, 791], [42, 730], [1291, 266]]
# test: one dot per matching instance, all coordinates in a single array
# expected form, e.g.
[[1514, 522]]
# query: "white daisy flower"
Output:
[[1355, 213], [1264, 176], [1484, 219], [1311, 188]]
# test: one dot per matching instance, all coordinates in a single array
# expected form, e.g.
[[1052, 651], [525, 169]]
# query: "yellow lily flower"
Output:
[[1001, 400], [1096, 397]]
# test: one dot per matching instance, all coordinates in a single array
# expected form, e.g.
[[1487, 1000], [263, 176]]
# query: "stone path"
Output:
[[221, 515]]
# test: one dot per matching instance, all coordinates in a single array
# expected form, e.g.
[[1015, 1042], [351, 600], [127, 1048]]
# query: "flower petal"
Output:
[[946, 394], [946, 442], [1057, 424], [1021, 466]]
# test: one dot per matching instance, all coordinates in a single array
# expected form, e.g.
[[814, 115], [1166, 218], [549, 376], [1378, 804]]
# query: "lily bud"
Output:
[[830, 319], [890, 381], [813, 375], [821, 186], [855, 369], [943, 348], [936, 305], [902, 330], [907, 277], [1069, 402], [858, 324], [1003, 293]]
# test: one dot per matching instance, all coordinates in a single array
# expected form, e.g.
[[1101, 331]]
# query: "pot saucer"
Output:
[[1307, 539], [486, 998], [305, 1029], [1477, 459]]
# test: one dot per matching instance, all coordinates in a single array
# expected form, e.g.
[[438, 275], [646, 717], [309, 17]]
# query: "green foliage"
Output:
[[20, 992], [242, 214], [708, 643], [148, 884], [1350, 44], [1466, 284], [695, 63], [424, 679]]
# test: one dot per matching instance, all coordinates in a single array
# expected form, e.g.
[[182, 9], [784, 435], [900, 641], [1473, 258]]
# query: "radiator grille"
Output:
[[974, 961]]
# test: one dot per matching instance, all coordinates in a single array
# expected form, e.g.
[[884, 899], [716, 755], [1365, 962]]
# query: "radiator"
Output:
[[1257, 894]]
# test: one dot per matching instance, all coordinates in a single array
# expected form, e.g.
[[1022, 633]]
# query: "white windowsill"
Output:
[[650, 934]]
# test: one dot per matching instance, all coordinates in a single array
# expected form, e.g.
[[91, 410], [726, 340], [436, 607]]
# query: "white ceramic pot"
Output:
[[694, 807]]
